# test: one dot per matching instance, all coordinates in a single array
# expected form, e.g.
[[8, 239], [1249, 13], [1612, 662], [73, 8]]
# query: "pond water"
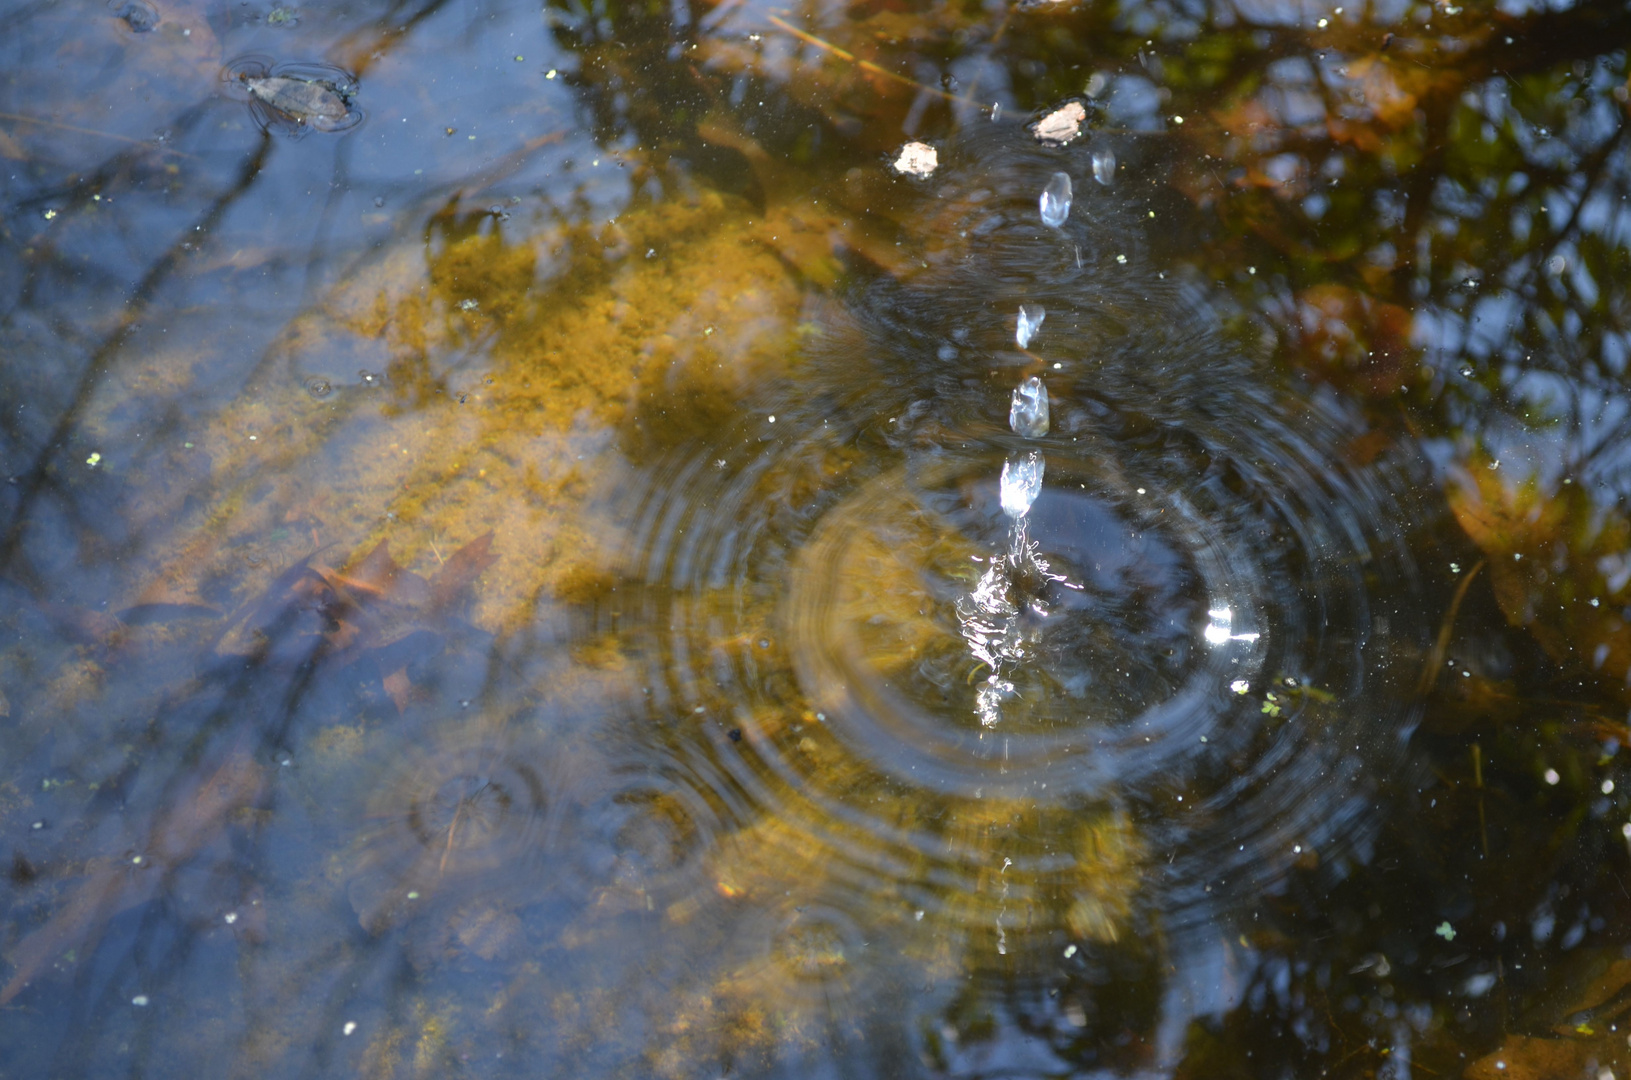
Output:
[[533, 543]]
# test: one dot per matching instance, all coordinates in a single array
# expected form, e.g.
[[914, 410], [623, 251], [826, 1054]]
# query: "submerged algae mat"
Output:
[[599, 666]]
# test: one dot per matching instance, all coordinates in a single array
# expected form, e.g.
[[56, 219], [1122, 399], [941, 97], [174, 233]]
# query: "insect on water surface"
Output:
[[295, 98]]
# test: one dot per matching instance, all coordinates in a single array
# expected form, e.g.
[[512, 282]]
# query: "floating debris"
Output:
[[1060, 126], [1104, 166], [295, 98], [139, 15], [1021, 484], [1055, 201], [917, 159], [1028, 414], [1030, 320]]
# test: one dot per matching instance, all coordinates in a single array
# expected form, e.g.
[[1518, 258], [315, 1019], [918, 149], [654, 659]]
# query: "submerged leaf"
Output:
[[461, 571]]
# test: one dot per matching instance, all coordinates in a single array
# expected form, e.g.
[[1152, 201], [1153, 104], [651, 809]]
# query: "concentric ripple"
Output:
[[448, 823], [1215, 665]]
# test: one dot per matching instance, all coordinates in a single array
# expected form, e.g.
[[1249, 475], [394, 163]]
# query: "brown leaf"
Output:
[[378, 575], [83, 625], [1355, 339], [1524, 1058], [400, 688], [176, 836], [461, 571], [11, 148]]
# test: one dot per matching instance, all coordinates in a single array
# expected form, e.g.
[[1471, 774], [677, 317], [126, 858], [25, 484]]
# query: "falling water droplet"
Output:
[[1028, 414], [1021, 484], [1055, 201], [1104, 166], [1030, 319]]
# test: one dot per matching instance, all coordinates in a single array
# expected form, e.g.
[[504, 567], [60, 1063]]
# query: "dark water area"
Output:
[[529, 545]]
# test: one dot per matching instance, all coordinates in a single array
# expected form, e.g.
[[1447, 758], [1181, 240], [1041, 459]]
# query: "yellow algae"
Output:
[[607, 357], [383, 1058]]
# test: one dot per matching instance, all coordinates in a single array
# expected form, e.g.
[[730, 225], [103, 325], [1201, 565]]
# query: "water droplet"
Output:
[[1030, 319], [1021, 484], [1028, 413], [1055, 201], [1104, 166]]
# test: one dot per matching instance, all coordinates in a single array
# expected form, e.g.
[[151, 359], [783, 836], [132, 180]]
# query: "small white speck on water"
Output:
[[1551, 777], [231, 917], [140, 1001], [1070, 951], [350, 1026]]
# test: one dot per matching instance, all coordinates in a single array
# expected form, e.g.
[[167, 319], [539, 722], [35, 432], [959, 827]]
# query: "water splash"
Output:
[[1030, 321], [1028, 411], [884, 655], [1021, 483]]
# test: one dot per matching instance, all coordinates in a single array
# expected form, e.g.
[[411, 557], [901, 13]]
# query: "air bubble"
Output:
[[1104, 166], [1055, 201]]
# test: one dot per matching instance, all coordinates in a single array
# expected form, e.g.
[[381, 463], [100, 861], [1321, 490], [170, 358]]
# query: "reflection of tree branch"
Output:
[[1593, 167], [360, 48], [146, 143], [37, 476]]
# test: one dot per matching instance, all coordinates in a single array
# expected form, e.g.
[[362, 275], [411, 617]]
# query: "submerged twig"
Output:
[[1441, 647], [20, 118], [1478, 785], [868, 66]]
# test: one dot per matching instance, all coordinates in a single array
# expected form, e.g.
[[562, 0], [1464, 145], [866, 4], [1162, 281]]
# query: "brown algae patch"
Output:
[[573, 350]]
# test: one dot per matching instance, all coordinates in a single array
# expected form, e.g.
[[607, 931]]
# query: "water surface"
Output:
[[506, 570]]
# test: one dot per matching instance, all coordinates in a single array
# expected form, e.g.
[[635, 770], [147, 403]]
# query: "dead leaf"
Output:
[[11, 149], [379, 575], [176, 836], [400, 688], [461, 572], [1355, 339], [1524, 1058]]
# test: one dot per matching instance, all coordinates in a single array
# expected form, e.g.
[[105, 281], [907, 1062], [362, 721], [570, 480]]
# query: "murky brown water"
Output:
[[506, 566]]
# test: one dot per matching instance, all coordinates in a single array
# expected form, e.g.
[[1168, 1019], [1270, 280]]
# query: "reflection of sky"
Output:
[[317, 199], [151, 222]]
